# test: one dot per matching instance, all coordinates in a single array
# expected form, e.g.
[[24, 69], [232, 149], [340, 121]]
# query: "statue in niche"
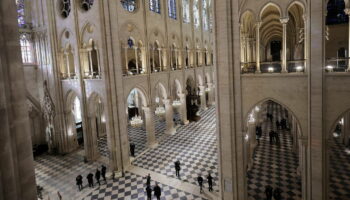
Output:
[[49, 114]]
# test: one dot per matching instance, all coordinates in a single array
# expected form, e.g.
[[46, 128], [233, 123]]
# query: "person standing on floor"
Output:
[[98, 176], [277, 194], [210, 182], [268, 192], [103, 172], [149, 192], [177, 168], [148, 180], [132, 149], [200, 183], [157, 191], [79, 180], [271, 136], [90, 178]]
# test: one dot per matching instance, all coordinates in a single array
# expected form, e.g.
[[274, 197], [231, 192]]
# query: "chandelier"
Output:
[[160, 111], [176, 104], [136, 121]]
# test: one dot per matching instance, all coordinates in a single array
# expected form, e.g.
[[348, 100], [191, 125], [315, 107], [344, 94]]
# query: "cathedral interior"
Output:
[[249, 95]]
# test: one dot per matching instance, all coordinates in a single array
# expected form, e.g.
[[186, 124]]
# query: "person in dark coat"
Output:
[[277, 194], [149, 192], [90, 178], [79, 180], [157, 191], [103, 172], [177, 168], [148, 180], [277, 138], [210, 182], [268, 192], [132, 149], [98, 176], [278, 124], [200, 183], [271, 136]]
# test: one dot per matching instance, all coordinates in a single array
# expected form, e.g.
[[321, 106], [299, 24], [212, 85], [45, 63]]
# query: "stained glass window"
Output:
[[154, 5], [129, 5], [196, 13], [186, 11], [205, 15], [20, 12], [26, 48], [172, 8]]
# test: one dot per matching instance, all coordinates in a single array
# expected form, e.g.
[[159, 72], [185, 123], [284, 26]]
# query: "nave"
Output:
[[193, 144], [274, 164]]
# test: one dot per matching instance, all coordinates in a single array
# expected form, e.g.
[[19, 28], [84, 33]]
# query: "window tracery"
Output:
[[205, 15], [172, 9], [129, 5], [196, 13], [154, 5], [26, 48], [65, 8], [20, 13], [186, 11], [86, 4]]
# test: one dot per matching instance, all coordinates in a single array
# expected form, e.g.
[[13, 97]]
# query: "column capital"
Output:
[[258, 23], [347, 11], [284, 20]]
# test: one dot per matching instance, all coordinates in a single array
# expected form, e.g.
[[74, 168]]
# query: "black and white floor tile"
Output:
[[339, 171], [58, 173], [194, 145], [132, 186], [274, 165]]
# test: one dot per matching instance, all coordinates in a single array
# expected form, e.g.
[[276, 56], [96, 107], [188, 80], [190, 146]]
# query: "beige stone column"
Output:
[[302, 168], [202, 97], [183, 109], [251, 143], [160, 59], [126, 60], [347, 11], [257, 47], [211, 93], [284, 22], [91, 70], [17, 177], [149, 123], [346, 129], [137, 60], [169, 116], [306, 36]]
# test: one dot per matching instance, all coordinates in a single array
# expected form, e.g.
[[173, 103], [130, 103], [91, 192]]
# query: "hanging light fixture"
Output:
[[136, 121], [160, 111], [176, 104]]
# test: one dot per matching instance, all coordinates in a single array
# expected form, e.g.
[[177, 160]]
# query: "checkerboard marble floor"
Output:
[[339, 171], [274, 165], [138, 135], [132, 186], [57, 173], [194, 145]]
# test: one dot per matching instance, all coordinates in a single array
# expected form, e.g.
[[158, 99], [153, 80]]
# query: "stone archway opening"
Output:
[[97, 124], [339, 160], [273, 145], [140, 125], [74, 123], [192, 100]]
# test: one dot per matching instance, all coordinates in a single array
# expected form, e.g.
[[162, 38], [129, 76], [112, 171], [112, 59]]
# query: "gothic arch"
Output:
[[142, 92], [268, 4], [245, 117], [163, 89]]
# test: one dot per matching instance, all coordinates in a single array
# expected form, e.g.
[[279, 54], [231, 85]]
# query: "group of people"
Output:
[[156, 189], [90, 178], [210, 182], [281, 124], [276, 193], [200, 179], [274, 137], [258, 131]]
